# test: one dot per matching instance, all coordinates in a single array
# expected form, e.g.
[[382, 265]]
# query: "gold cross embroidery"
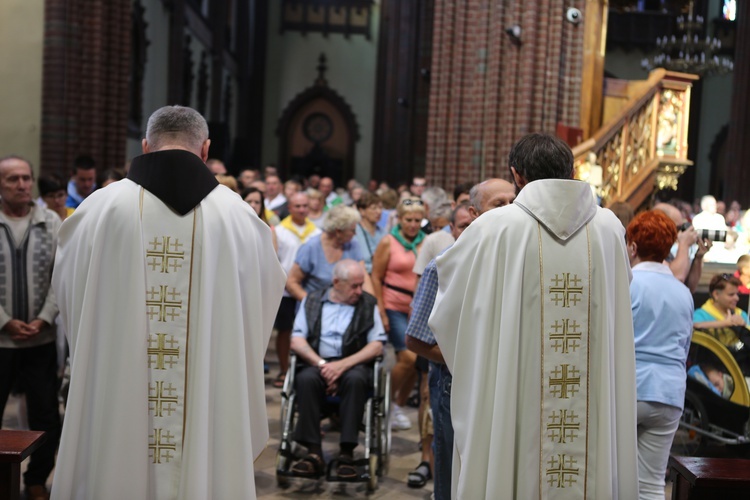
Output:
[[562, 471], [563, 426], [159, 353], [161, 446], [161, 307], [160, 399], [564, 381], [165, 254], [566, 289], [566, 336]]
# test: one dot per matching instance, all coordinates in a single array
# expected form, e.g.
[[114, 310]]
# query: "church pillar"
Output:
[[737, 164], [492, 84]]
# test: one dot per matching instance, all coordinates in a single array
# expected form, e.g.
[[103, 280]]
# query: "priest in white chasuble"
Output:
[[533, 319], [168, 287]]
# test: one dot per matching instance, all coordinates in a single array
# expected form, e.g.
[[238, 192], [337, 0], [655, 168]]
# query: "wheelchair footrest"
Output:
[[363, 473]]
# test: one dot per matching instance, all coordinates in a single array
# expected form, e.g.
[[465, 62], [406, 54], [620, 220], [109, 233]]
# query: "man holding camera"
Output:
[[686, 257]]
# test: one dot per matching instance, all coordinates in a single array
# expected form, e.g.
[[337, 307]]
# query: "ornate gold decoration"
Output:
[[563, 426], [639, 137], [671, 107], [566, 289], [667, 176], [562, 471], [564, 381], [159, 305], [165, 254], [161, 399], [566, 336], [160, 446], [158, 352]]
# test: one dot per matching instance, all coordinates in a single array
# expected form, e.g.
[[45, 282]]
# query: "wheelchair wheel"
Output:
[[372, 483], [688, 442], [282, 463], [384, 444]]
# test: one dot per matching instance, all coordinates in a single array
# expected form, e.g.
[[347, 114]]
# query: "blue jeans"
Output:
[[440, 381], [397, 334]]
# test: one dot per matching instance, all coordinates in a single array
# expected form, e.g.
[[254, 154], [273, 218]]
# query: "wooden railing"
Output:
[[644, 146]]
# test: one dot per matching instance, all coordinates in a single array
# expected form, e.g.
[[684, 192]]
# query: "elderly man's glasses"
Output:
[[408, 202]]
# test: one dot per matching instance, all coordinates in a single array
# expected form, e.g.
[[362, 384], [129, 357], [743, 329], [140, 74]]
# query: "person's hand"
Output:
[[735, 320], [332, 371], [20, 330], [687, 237], [386, 323], [38, 324], [704, 245]]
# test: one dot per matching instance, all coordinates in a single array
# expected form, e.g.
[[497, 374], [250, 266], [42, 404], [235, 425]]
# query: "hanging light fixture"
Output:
[[689, 53]]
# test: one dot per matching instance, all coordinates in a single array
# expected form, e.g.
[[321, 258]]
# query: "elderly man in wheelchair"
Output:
[[337, 335]]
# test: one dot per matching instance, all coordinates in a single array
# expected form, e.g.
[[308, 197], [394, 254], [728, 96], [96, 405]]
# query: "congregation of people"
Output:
[[449, 278]]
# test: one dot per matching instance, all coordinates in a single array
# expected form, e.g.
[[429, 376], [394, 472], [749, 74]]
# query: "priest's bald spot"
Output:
[[178, 125]]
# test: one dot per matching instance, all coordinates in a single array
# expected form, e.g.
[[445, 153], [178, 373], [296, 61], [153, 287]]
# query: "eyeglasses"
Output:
[[407, 202]]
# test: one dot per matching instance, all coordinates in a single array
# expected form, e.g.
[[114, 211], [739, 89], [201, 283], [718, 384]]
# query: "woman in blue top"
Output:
[[313, 266], [369, 233], [663, 325]]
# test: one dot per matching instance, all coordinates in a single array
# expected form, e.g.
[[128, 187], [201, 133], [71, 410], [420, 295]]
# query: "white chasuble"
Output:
[[534, 321], [168, 313], [565, 283], [168, 253]]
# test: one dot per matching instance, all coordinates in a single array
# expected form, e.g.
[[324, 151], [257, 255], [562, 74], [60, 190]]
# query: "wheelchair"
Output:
[[708, 417], [376, 427]]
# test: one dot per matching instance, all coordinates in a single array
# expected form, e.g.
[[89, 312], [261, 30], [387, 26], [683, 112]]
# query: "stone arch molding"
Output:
[[317, 98]]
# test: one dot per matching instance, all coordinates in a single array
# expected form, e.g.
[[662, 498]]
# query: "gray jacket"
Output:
[[25, 274]]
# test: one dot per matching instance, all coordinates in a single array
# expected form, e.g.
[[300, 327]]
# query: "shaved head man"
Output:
[[492, 193]]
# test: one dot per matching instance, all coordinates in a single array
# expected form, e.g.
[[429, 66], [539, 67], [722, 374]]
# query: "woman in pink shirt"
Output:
[[394, 282]]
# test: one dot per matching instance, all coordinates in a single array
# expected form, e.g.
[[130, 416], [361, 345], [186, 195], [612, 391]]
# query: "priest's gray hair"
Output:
[[541, 156], [176, 125], [342, 271], [340, 218]]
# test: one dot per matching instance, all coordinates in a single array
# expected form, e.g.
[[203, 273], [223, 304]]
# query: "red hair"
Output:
[[654, 234]]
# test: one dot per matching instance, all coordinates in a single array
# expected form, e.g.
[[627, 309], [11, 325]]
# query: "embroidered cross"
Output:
[[161, 445], [165, 254], [161, 307], [566, 336], [562, 426], [566, 289], [564, 381], [161, 399], [562, 471], [159, 353]]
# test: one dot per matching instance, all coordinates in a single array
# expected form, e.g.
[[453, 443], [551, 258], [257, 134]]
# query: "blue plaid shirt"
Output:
[[421, 306]]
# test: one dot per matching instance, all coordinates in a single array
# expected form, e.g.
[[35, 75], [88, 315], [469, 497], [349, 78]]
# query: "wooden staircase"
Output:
[[642, 145]]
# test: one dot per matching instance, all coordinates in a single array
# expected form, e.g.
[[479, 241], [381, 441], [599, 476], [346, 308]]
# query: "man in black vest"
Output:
[[337, 333]]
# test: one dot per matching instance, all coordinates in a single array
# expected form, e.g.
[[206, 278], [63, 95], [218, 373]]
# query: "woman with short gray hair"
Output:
[[313, 265]]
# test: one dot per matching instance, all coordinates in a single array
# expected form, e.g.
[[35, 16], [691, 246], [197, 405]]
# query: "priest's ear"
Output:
[[204, 150], [519, 179], [144, 146]]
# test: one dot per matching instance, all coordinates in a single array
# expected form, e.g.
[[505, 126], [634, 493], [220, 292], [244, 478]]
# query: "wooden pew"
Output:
[[15, 446], [697, 478]]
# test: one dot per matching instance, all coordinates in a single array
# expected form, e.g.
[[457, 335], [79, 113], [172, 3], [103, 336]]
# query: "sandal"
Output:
[[310, 466], [419, 476], [346, 468], [279, 381]]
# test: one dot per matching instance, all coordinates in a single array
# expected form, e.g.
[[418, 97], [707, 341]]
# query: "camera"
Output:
[[683, 227], [574, 15], [712, 234]]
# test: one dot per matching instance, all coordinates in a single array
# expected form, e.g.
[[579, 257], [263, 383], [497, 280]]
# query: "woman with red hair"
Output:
[[663, 324]]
